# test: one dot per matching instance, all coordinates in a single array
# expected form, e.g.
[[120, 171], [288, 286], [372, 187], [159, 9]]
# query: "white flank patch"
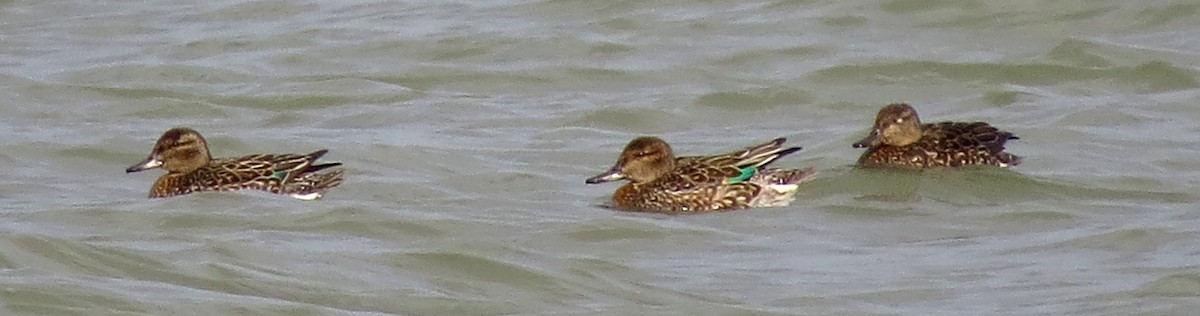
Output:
[[784, 188], [307, 197]]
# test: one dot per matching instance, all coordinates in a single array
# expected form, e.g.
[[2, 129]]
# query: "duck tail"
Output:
[[996, 147], [787, 176], [315, 168], [763, 154], [313, 185], [780, 185], [308, 167], [1008, 160]]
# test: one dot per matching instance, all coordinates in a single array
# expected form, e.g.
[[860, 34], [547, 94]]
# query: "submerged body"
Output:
[[898, 139], [183, 153], [660, 182]]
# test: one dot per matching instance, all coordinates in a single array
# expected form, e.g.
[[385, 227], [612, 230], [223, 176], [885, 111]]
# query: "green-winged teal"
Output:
[[184, 154], [659, 182], [900, 140]]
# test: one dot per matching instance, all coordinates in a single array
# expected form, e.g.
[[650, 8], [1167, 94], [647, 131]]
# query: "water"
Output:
[[467, 129]]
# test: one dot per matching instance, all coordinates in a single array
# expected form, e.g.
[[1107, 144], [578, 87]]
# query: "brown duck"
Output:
[[660, 182], [184, 154], [900, 140]]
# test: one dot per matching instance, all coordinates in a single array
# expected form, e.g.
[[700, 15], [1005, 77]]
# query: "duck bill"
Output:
[[868, 141], [149, 163], [610, 175]]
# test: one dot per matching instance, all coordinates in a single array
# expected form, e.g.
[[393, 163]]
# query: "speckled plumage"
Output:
[[190, 168], [660, 182], [898, 139]]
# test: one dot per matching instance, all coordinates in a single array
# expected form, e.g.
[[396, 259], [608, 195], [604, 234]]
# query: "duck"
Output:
[[659, 182], [184, 154], [899, 139]]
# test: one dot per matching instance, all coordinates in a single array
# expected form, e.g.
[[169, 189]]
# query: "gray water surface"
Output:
[[467, 129]]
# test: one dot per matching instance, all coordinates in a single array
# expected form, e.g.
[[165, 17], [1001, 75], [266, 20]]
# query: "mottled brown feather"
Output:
[[699, 183], [184, 154], [944, 144]]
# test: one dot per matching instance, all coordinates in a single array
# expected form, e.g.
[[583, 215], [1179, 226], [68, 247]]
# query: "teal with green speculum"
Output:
[[190, 168], [660, 182]]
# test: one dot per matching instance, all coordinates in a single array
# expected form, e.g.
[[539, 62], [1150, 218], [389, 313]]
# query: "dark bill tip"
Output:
[[867, 141]]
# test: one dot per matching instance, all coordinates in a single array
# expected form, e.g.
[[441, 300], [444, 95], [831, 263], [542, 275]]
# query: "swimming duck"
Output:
[[900, 140], [660, 182], [184, 154]]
